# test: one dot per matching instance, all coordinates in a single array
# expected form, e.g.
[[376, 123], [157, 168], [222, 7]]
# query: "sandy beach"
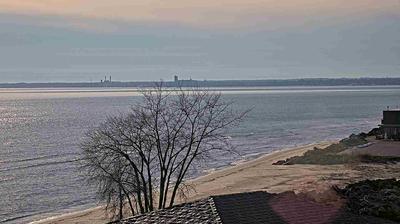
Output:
[[258, 174]]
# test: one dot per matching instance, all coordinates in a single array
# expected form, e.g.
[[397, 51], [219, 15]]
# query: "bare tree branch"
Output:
[[156, 144]]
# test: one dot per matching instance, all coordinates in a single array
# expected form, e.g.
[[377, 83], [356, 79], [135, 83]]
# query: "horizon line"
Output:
[[196, 80]]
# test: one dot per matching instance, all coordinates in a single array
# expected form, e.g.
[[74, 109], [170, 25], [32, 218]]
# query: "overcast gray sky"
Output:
[[50, 40]]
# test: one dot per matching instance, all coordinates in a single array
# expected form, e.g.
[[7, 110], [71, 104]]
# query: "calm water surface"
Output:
[[40, 133]]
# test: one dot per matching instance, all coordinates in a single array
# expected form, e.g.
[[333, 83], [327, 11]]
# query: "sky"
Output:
[[84, 40]]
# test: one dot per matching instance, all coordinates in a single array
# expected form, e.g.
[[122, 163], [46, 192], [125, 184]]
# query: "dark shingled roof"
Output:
[[253, 208], [202, 212]]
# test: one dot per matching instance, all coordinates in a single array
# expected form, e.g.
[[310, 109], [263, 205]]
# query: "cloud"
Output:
[[206, 13], [78, 40]]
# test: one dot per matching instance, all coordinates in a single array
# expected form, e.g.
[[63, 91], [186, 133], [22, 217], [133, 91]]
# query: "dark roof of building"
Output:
[[255, 207], [202, 212]]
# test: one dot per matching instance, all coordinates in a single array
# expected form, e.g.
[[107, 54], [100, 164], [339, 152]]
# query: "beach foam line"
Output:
[[262, 156]]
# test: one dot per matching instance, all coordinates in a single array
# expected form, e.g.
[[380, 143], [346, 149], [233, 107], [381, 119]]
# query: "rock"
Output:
[[363, 134], [375, 132], [281, 162]]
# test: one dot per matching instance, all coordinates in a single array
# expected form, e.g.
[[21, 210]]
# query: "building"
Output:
[[253, 208], [176, 79], [391, 124]]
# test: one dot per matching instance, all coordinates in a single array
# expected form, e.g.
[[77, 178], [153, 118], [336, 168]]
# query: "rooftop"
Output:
[[255, 207]]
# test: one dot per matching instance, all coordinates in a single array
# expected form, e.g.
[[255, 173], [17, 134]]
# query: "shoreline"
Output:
[[204, 184]]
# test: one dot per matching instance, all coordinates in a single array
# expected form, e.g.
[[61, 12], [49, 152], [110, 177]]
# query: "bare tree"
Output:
[[143, 157]]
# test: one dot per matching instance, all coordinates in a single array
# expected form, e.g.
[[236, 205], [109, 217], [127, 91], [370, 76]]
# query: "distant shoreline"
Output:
[[216, 83]]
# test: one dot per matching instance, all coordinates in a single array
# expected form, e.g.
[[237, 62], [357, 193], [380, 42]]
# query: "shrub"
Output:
[[380, 198]]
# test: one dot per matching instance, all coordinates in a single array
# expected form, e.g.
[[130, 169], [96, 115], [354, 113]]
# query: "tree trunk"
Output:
[[121, 203]]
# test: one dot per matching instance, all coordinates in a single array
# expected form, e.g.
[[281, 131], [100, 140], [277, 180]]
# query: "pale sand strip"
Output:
[[257, 174]]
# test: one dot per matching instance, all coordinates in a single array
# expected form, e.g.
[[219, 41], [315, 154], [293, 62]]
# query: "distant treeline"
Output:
[[219, 83]]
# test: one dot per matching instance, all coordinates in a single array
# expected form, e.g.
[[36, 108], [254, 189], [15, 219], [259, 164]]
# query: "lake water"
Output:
[[41, 129]]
